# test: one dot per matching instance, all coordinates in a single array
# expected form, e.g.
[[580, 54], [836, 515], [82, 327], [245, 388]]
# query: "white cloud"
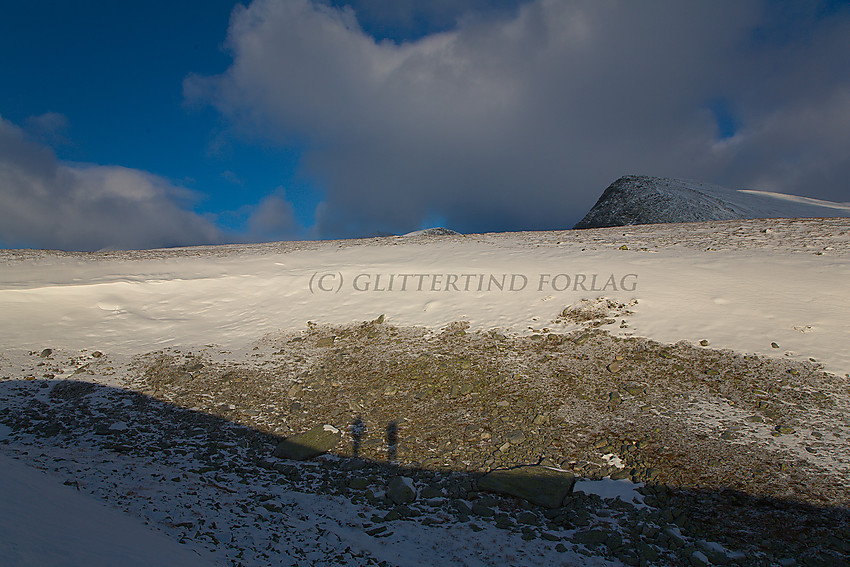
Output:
[[521, 121], [51, 127], [272, 218], [48, 204]]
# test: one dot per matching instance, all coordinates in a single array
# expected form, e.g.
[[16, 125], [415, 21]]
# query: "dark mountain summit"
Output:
[[636, 199]]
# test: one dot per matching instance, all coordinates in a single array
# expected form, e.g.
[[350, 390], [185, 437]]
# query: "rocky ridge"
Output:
[[637, 199]]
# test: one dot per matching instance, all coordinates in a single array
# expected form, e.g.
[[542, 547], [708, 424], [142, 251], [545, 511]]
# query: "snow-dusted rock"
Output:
[[436, 231], [636, 199]]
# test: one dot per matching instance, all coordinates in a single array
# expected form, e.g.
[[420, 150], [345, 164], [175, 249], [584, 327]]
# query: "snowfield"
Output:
[[774, 290], [757, 283]]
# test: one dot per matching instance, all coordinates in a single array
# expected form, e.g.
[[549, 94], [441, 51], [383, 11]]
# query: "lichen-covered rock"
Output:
[[539, 485], [309, 444]]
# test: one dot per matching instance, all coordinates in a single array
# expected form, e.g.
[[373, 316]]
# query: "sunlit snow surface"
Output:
[[744, 291]]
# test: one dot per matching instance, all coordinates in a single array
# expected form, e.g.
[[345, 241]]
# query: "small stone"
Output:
[[504, 522], [729, 434], [377, 530], [46, 352], [431, 492], [614, 367], [96, 354], [391, 516], [703, 342], [784, 429], [354, 464], [358, 483], [591, 538], [515, 437], [325, 341], [774, 345], [561, 548], [483, 511], [624, 247]]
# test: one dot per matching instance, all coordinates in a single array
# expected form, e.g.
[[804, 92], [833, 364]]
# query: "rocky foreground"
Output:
[[725, 458]]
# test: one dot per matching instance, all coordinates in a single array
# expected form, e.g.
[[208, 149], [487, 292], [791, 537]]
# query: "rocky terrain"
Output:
[[637, 199], [734, 459]]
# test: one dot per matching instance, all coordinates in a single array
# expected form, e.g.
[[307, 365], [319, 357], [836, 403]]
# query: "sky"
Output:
[[151, 124]]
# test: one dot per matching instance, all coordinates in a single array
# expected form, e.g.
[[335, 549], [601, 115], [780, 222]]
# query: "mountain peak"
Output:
[[640, 199]]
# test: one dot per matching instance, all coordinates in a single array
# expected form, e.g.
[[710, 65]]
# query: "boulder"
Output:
[[309, 444], [539, 485], [399, 490]]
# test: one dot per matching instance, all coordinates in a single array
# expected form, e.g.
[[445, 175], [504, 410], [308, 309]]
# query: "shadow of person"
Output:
[[392, 441], [357, 428]]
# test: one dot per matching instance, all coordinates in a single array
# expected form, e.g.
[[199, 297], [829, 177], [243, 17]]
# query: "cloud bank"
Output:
[[520, 120], [48, 204]]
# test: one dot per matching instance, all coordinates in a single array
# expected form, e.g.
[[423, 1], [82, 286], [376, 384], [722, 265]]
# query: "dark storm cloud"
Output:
[[520, 120]]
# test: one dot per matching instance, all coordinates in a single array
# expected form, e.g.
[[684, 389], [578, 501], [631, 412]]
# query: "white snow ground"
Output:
[[46, 524], [744, 299], [782, 282]]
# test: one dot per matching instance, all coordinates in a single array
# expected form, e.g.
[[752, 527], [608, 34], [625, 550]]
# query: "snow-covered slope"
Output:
[[635, 199], [741, 288], [45, 524]]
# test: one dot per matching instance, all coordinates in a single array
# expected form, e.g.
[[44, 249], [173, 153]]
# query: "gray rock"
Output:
[[515, 437], [591, 538], [358, 483], [399, 492], [481, 510], [354, 464], [431, 492], [309, 444], [539, 485]]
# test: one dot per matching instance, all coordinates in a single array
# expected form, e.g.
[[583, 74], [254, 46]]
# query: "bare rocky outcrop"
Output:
[[638, 199]]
